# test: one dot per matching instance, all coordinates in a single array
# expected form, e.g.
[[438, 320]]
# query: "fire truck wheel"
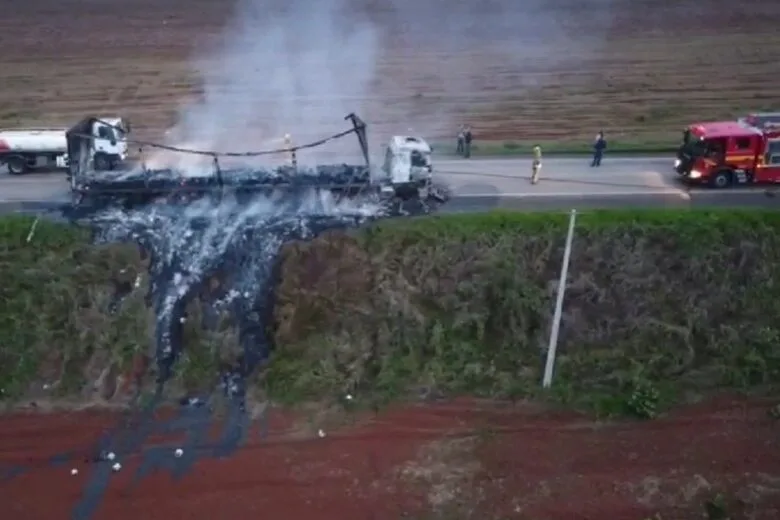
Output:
[[722, 179]]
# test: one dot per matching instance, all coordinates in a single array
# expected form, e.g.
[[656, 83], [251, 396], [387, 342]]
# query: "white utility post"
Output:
[[556, 323]]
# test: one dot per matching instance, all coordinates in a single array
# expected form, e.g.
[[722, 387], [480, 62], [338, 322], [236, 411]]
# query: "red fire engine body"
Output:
[[725, 153]]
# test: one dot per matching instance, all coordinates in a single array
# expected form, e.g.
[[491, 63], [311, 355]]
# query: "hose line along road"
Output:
[[481, 184]]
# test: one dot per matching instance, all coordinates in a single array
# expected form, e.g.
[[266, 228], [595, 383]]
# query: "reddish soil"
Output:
[[456, 460]]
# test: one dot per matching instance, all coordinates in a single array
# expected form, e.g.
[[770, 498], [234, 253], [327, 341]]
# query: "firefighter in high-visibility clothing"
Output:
[[536, 165]]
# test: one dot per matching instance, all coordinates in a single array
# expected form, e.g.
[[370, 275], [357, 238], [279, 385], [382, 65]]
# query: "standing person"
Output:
[[467, 137], [536, 165], [461, 140], [599, 145]]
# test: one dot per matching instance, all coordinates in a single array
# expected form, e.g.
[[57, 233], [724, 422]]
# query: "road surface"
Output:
[[480, 184]]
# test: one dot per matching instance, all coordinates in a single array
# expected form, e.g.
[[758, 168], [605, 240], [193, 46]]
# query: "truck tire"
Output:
[[101, 162], [17, 165], [722, 179]]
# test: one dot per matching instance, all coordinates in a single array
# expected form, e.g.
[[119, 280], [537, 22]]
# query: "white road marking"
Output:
[[568, 194]]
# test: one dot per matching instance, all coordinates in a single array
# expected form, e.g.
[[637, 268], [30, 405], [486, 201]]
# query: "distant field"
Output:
[[552, 71]]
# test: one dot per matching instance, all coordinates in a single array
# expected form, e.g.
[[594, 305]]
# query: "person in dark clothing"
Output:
[[467, 137], [599, 145], [461, 140]]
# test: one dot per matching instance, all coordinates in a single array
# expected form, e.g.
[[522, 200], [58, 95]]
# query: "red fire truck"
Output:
[[725, 153]]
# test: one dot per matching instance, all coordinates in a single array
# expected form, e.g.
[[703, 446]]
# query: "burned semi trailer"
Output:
[[390, 183]]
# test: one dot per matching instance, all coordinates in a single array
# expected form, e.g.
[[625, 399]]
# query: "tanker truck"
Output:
[[26, 149]]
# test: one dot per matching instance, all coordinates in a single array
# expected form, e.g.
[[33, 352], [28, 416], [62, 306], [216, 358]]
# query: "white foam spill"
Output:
[[189, 243]]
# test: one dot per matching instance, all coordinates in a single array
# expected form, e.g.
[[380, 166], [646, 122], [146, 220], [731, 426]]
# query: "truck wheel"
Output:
[[16, 165], [721, 179], [101, 162]]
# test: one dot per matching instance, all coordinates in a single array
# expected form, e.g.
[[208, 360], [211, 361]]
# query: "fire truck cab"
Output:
[[725, 153]]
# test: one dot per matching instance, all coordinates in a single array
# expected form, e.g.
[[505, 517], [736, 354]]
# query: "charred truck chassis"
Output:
[[131, 189]]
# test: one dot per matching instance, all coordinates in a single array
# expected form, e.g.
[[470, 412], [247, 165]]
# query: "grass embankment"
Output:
[[660, 305], [518, 148]]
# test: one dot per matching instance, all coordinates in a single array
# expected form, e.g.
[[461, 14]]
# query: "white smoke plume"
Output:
[[298, 67], [295, 69]]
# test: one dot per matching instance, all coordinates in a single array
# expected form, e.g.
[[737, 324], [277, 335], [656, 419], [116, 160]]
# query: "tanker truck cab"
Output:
[[407, 167], [109, 145], [25, 149], [96, 144]]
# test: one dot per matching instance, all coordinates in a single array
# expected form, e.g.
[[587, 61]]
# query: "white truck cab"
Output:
[[25, 149], [408, 165], [108, 142]]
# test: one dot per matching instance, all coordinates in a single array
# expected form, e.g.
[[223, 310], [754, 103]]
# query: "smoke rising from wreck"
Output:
[[298, 67], [295, 69]]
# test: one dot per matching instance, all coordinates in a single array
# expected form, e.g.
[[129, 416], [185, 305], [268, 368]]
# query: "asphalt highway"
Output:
[[482, 184]]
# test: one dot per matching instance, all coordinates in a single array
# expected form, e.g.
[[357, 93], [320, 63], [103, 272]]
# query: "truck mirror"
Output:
[[113, 142]]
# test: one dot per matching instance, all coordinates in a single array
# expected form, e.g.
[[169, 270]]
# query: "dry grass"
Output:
[[448, 469], [76, 324], [656, 304], [638, 70]]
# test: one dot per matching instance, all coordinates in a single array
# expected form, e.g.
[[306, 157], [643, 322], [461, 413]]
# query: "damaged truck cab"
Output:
[[725, 153], [407, 169]]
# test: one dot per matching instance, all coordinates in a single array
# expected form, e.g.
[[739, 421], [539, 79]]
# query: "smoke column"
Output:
[[296, 68]]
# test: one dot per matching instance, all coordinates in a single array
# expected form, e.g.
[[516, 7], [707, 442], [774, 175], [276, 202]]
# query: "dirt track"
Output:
[[461, 459]]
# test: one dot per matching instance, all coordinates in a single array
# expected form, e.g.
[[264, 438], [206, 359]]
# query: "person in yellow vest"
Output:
[[536, 165]]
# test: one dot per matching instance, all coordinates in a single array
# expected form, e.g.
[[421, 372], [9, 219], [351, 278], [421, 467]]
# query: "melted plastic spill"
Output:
[[189, 244], [240, 231]]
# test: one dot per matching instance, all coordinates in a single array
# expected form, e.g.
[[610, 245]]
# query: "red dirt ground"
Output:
[[455, 460]]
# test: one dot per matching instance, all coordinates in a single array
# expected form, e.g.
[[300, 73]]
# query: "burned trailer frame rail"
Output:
[[154, 186], [146, 185]]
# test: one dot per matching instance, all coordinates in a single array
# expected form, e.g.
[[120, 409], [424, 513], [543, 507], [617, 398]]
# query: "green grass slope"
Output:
[[659, 306]]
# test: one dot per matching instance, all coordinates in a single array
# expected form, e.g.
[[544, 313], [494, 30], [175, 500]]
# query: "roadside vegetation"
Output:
[[660, 307]]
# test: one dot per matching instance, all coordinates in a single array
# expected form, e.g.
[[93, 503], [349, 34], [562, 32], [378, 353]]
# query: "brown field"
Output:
[[549, 70]]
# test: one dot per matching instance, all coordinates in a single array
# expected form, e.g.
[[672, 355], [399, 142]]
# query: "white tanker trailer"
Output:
[[25, 149]]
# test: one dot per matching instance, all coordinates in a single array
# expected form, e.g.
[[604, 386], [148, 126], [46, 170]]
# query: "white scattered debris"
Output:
[[182, 320], [32, 230], [74, 471], [111, 455], [116, 467], [179, 452], [349, 397], [46, 386], [321, 434], [137, 282]]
